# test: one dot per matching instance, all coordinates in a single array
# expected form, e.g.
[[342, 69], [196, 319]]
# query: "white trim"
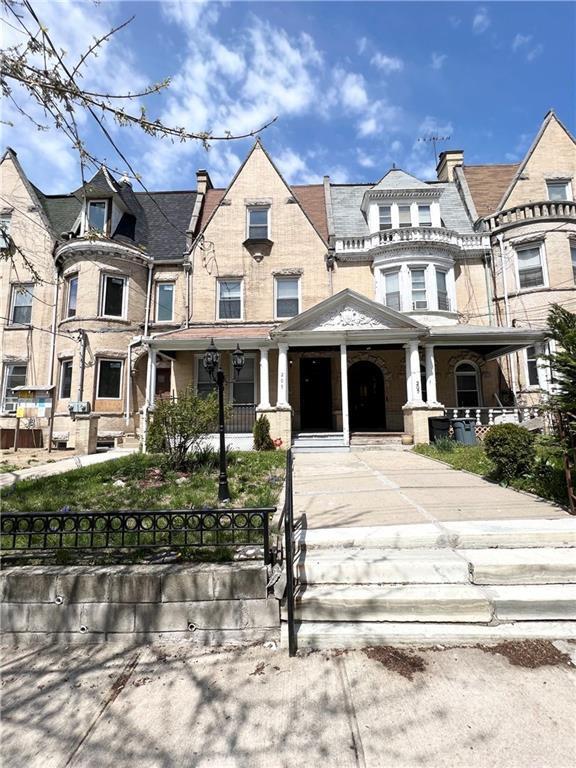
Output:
[[103, 277], [530, 245], [528, 383], [68, 279], [567, 181], [285, 278], [478, 383], [105, 359], [5, 367], [63, 361], [14, 290], [86, 217], [259, 207], [158, 285], [220, 280]]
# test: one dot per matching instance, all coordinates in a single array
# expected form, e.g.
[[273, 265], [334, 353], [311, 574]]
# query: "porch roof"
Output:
[[198, 336], [495, 341]]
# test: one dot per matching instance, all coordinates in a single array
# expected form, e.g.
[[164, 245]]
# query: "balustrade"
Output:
[[551, 209], [411, 235]]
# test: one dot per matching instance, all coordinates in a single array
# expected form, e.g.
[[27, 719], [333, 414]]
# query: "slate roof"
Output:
[[487, 185], [396, 178], [349, 221]]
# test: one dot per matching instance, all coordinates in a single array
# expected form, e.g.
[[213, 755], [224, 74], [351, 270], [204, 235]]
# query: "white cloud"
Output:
[[361, 45], [524, 44], [380, 117], [421, 161], [520, 41], [534, 52], [352, 90], [481, 21], [387, 63], [438, 60], [294, 167], [364, 160]]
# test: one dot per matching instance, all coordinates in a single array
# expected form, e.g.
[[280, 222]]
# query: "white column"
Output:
[[264, 381], [432, 397], [344, 390], [542, 368], [408, 374], [282, 398], [413, 360], [151, 378]]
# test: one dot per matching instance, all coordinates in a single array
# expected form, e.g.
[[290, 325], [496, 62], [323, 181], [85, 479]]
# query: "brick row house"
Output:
[[361, 308]]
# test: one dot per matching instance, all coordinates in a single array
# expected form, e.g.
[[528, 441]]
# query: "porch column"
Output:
[[431, 395], [408, 374], [264, 380], [413, 388], [344, 389], [151, 377], [282, 398]]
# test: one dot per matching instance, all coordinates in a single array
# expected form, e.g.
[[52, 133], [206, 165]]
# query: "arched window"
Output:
[[467, 377]]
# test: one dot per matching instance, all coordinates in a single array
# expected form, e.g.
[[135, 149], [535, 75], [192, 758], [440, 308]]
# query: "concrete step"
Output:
[[521, 566], [443, 603], [382, 566], [469, 534], [533, 602], [328, 634]]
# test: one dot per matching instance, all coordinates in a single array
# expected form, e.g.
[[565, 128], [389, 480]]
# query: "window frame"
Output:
[[527, 359], [437, 271], [478, 376], [64, 362], [255, 379], [219, 282], [518, 249], [429, 207], [410, 222], [388, 272], [5, 374], [418, 268], [200, 365], [249, 210], [87, 227], [5, 238], [99, 373], [161, 284], [69, 280], [573, 258], [390, 225], [13, 293], [103, 278], [285, 279], [566, 183]]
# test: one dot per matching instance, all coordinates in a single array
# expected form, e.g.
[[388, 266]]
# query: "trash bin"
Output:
[[464, 431], [438, 428]]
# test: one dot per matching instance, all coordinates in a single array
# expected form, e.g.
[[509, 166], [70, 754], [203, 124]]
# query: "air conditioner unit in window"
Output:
[[420, 304]]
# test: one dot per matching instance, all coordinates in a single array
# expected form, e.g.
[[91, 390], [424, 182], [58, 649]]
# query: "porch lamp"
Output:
[[211, 363]]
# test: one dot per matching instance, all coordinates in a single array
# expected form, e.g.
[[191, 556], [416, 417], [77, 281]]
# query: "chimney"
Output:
[[203, 182], [448, 161]]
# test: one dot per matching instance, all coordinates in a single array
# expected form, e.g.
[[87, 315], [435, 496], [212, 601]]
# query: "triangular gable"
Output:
[[550, 117], [396, 178], [349, 311], [258, 145], [9, 154]]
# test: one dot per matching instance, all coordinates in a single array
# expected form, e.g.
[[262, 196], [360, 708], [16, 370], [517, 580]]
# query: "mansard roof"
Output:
[[396, 178]]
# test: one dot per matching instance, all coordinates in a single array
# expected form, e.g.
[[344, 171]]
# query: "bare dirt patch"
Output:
[[396, 660], [530, 653]]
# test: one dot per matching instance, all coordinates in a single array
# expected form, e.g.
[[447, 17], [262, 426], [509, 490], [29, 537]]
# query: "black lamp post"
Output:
[[211, 363]]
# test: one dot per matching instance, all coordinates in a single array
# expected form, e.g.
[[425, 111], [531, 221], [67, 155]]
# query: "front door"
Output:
[[366, 404], [315, 394], [163, 376]]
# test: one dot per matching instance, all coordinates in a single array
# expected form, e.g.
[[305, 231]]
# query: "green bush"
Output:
[[511, 448], [261, 432], [444, 445]]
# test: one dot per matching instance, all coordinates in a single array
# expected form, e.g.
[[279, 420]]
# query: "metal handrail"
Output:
[[288, 516]]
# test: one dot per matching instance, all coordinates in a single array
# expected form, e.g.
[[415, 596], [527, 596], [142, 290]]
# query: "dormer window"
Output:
[[258, 223], [424, 216], [385, 215], [404, 216], [97, 215]]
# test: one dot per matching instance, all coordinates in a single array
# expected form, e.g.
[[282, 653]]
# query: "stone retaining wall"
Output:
[[206, 604]]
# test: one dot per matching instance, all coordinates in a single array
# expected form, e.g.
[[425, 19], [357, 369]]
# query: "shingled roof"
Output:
[[487, 185]]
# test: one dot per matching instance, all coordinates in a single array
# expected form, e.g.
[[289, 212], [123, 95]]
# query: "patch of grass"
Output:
[[469, 457], [5, 467], [255, 479]]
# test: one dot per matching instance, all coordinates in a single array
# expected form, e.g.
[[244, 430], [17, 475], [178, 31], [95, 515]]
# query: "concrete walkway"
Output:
[[390, 487], [63, 465], [177, 707]]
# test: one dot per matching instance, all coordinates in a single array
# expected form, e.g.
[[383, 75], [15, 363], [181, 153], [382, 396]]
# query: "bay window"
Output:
[[113, 296], [404, 216], [530, 267], [109, 379], [442, 291], [392, 290], [71, 296], [385, 217], [424, 216], [418, 278]]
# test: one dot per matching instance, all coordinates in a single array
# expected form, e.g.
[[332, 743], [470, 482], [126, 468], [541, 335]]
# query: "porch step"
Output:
[[469, 534], [329, 634], [375, 438], [318, 441], [437, 566], [445, 603]]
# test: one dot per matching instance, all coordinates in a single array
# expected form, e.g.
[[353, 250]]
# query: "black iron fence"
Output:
[[286, 552], [177, 529], [241, 418]]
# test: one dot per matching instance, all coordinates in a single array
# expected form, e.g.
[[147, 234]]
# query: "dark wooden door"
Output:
[[366, 405], [163, 376], [315, 394]]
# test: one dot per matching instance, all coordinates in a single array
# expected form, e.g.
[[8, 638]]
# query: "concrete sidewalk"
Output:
[[388, 487], [63, 465], [173, 706]]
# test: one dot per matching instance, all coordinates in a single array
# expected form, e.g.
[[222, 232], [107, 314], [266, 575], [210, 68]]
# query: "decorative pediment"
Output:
[[349, 311]]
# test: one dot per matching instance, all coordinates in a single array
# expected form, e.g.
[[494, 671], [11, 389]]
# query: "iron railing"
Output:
[[177, 529], [241, 418]]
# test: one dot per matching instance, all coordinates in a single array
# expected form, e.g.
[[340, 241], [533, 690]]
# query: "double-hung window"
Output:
[[392, 290], [65, 379], [573, 255], [5, 219], [558, 190], [530, 268], [442, 291], [385, 217], [424, 216], [204, 384], [21, 304], [165, 302], [14, 376], [97, 215], [532, 366], [109, 379], [243, 387], [229, 299], [404, 216], [113, 296], [71, 296], [418, 277], [258, 222], [287, 300]]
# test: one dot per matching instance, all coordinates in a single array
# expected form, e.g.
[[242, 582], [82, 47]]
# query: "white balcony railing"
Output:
[[490, 416], [520, 214], [414, 235]]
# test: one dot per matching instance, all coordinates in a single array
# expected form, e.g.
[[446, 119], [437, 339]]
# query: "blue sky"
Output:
[[354, 85]]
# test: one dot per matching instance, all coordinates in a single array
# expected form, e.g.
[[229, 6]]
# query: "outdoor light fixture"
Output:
[[211, 363]]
